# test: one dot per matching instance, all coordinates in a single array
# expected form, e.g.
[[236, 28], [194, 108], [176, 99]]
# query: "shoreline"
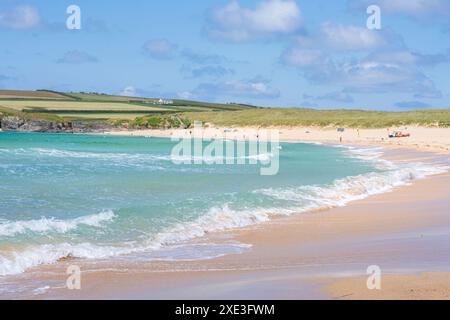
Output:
[[422, 138], [305, 256], [312, 256], [281, 260]]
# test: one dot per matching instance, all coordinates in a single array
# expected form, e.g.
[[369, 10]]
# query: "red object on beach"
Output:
[[404, 135], [399, 134]]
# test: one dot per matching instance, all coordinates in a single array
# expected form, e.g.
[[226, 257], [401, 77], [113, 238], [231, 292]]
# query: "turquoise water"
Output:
[[96, 197]]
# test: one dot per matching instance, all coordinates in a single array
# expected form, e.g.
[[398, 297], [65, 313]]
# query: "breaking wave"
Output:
[[126, 157], [219, 218], [45, 225], [343, 191]]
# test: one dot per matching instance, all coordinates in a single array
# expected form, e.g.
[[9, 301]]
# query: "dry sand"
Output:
[[425, 139]]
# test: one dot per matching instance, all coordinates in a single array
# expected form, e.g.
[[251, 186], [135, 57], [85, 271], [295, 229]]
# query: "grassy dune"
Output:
[[323, 118]]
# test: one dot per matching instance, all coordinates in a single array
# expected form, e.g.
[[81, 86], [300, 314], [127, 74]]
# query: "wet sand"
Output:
[[426, 286]]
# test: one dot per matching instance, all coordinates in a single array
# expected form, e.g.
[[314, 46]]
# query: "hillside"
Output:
[[100, 107], [38, 95], [150, 112], [323, 118]]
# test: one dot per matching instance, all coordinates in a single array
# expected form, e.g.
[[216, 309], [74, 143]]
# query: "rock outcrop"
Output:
[[17, 124]]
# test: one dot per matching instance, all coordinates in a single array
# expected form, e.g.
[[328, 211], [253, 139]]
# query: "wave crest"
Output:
[[343, 191], [45, 225], [216, 219]]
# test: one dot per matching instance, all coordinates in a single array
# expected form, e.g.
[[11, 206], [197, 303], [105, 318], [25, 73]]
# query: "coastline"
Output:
[[423, 139], [310, 256], [228, 157], [306, 256], [315, 255]]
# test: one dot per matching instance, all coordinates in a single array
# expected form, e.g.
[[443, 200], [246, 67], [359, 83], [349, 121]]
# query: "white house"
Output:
[[162, 101]]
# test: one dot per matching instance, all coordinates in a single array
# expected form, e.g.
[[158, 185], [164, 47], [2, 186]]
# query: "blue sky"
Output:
[[280, 53]]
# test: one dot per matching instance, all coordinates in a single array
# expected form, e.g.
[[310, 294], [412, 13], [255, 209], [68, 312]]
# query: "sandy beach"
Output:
[[425, 286], [421, 138], [225, 150], [317, 255], [321, 255]]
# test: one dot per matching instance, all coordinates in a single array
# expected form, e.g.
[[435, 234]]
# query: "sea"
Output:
[[94, 197]]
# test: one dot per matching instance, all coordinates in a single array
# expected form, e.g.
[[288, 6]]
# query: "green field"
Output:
[[22, 94], [105, 97], [143, 112], [323, 118], [56, 106], [101, 107]]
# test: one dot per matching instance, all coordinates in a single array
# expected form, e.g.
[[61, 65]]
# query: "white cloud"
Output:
[[413, 105], [350, 37], [407, 57], [160, 48], [330, 38], [212, 71], [370, 76], [336, 96], [302, 57], [186, 95], [203, 58], [20, 17], [400, 57], [376, 73], [152, 91], [129, 91], [374, 76], [323, 59], [255, 88], [237, 23], [77, 57], [418, 9]]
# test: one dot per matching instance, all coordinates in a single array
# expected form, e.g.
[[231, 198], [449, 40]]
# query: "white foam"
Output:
[[45, 225], [107, 156], [18, 262], [41, 290], [371, 154], [127, 157], [343, 191], [215, 159], [220, 218], [216, 219]]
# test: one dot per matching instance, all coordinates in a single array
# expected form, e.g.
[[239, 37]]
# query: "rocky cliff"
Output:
[[17, 124]]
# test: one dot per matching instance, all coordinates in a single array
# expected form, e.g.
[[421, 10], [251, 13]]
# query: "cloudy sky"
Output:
[[266, 52]]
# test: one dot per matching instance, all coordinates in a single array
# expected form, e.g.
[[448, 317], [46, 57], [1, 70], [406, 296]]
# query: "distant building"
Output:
[[163, 101]]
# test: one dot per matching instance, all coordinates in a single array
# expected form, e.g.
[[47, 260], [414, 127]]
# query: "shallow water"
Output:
[[104, 197]]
